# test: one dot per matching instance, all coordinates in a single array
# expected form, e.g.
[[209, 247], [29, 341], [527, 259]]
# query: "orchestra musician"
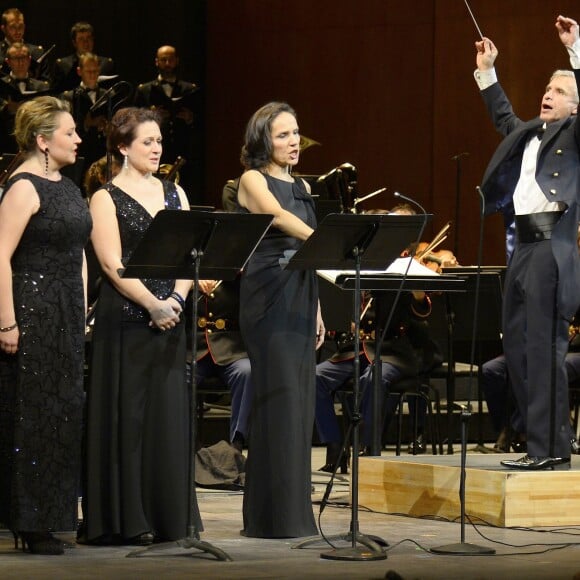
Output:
[[177, 101], [91, 126], [16, 87], [14, 27], [221, 351], [407, 351]]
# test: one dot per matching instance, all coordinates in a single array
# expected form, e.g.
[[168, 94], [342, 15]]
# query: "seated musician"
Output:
[[220, 348], [406, 351], [221, 351]]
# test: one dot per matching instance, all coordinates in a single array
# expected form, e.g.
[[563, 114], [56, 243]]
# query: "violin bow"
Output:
[[437, 240]]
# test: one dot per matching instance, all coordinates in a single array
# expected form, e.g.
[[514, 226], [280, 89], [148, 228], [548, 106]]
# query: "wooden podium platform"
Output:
[[428, 485]]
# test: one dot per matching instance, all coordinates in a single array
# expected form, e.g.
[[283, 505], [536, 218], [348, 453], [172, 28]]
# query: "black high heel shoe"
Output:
[[145, 539], [43, 543], [332, 454]]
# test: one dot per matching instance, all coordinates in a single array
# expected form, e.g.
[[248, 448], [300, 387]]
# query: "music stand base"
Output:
[[462, 549], [185, 543], [354, 554]]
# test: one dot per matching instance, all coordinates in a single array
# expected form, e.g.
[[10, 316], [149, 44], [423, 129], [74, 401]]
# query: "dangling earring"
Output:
[[46, 162], [126, 163]]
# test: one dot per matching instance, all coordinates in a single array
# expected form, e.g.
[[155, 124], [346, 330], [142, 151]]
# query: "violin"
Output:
[[435, 260]]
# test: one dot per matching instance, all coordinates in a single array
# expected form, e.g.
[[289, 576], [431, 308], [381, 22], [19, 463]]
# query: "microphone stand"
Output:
[[463, 548], [457, 159]]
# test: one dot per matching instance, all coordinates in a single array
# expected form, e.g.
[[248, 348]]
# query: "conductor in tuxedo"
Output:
[[536, 176]]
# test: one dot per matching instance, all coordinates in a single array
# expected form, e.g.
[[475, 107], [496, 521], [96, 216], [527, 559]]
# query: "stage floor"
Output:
[[521, 553]]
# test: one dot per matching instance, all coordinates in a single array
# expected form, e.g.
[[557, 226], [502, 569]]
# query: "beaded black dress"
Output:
[[278, 322], [138, 439], [41, 387]]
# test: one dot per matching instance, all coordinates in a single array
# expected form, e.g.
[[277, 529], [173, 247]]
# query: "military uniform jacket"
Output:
[[40, 71], [66, 76], [93, 143], [223, 304], [407, 345], [151, 94]]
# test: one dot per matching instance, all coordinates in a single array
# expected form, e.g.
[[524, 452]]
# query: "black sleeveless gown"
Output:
[[278, 321], [138, 412], [41, 387]]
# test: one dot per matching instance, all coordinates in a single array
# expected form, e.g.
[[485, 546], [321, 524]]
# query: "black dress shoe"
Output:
[[332, 455], [417, 447], [574, 446], [519, 446], [527, 463]]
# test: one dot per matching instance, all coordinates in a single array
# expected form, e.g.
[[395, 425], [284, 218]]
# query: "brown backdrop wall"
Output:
[[383, 84]]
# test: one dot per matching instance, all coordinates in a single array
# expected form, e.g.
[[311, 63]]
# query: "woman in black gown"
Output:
[[44, 225], [138, 420], [281, 326]]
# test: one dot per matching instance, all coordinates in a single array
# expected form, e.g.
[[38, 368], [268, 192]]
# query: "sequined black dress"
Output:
[[278, 321], [41, 387], [137, 454]]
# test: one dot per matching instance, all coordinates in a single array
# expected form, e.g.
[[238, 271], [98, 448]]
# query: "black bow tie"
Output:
[[539, 132], [169, 83]]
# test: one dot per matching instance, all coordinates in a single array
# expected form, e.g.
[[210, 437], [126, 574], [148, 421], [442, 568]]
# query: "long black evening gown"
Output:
[[41, 387], [278, 320], [138, 439]]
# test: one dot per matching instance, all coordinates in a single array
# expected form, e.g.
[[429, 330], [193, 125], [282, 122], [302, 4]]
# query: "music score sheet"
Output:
[[398, 267]]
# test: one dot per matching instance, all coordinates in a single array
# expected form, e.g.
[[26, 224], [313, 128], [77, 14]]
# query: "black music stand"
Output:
[[195, 245], [342, 241]]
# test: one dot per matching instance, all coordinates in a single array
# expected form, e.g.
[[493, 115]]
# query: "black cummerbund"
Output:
[[535, 227]]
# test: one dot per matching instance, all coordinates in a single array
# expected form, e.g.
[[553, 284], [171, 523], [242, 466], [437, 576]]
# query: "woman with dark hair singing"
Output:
[[281, 324]]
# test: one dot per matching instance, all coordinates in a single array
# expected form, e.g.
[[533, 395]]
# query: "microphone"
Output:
[[459, 156], [412, 201], [109, 94]]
